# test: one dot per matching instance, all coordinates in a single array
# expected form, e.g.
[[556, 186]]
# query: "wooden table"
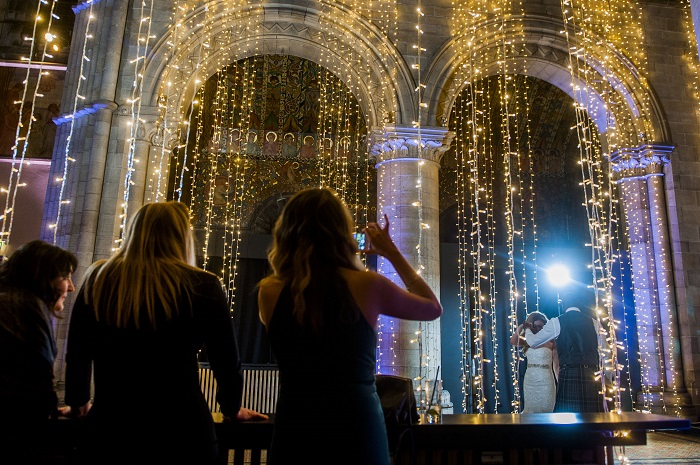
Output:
[[534, 438], [546, 429]]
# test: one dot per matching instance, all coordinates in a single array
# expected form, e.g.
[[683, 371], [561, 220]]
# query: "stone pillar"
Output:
[[102, 92], [408, 193], [90, 142], [639, 174]]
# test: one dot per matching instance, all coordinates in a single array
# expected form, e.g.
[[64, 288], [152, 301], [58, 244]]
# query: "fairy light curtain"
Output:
[[258, 127], [500, 194], [263, 126], [544, 211], [489, 159], [620, 24]]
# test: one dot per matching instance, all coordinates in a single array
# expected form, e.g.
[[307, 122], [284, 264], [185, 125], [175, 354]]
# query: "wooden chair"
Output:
[[260, 387], [260, 390]]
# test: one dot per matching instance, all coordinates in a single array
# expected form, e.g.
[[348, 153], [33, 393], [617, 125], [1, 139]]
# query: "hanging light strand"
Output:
[[77, 99], [143, 38]]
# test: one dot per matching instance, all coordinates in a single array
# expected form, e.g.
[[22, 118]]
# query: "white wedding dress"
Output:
[[539, 388]]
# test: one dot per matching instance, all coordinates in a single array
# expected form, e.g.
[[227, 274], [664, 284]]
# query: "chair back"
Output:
[[260, 387]]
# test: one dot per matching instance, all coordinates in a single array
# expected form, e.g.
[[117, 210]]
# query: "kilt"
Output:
[[578, 389]]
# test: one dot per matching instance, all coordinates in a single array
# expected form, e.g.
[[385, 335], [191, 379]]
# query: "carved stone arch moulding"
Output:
[[544, 55], [265, 215], [159, 140], [369, 63]]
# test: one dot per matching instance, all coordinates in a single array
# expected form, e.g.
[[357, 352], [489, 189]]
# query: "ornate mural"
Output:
[[268, 126]]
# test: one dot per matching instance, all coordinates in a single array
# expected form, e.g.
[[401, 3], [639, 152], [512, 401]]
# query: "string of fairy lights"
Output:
[[425, 339], [491, 131], [199, 126], [472, 198], [77, 99], [143, 42], [169, 116]]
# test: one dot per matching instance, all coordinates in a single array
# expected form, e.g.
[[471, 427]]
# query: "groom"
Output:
[[579, 340]]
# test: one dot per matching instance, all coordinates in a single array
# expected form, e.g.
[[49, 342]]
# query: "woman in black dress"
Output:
[[321, 307]]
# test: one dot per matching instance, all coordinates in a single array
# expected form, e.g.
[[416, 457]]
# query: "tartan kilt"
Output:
[[578, 390]]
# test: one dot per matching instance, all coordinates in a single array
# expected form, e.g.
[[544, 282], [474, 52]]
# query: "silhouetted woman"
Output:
[[320, 307], [141, 318], [34, 284]]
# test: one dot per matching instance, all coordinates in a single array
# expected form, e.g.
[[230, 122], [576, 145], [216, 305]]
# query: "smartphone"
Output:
[[360, 238]]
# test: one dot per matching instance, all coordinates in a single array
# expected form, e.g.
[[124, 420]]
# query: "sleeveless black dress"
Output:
[[328, 409]]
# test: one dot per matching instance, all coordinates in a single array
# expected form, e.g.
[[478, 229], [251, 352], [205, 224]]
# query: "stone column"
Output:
[[639, 174], [102, 92], [408, 193], [90, 142]]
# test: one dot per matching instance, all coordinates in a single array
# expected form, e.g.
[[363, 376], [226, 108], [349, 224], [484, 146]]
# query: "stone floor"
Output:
[[664, 447]]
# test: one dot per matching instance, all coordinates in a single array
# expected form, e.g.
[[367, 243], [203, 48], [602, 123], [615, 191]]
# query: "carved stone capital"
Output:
[[160, 137], [643, 161], [393, 142]]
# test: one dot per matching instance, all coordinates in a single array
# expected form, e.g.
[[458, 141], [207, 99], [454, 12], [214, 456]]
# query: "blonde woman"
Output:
[[539, 386], [140, 319], [320, 308]]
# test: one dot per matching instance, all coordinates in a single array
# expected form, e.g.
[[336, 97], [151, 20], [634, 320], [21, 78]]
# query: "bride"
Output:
[[542, 365]]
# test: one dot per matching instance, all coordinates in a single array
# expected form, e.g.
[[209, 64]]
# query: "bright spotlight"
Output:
[[558, 275]]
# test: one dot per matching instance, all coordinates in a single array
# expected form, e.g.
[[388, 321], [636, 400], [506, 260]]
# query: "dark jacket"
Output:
[[27, 354], [577, 343]]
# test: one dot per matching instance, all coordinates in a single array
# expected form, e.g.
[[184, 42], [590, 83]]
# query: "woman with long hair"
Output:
[[141, 317], [34, 284], [320, 308], [539, 385]]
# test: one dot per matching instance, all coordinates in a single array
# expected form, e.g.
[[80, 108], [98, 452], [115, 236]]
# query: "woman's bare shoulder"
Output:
[[270, 284], [269, 290]]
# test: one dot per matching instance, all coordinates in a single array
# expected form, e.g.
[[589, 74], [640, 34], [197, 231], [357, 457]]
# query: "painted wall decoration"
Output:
[[44, 108], [267, 125]]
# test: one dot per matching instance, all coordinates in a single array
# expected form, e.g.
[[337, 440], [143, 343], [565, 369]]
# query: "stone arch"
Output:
[[545, 55], [355, 50], [263, 219]]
